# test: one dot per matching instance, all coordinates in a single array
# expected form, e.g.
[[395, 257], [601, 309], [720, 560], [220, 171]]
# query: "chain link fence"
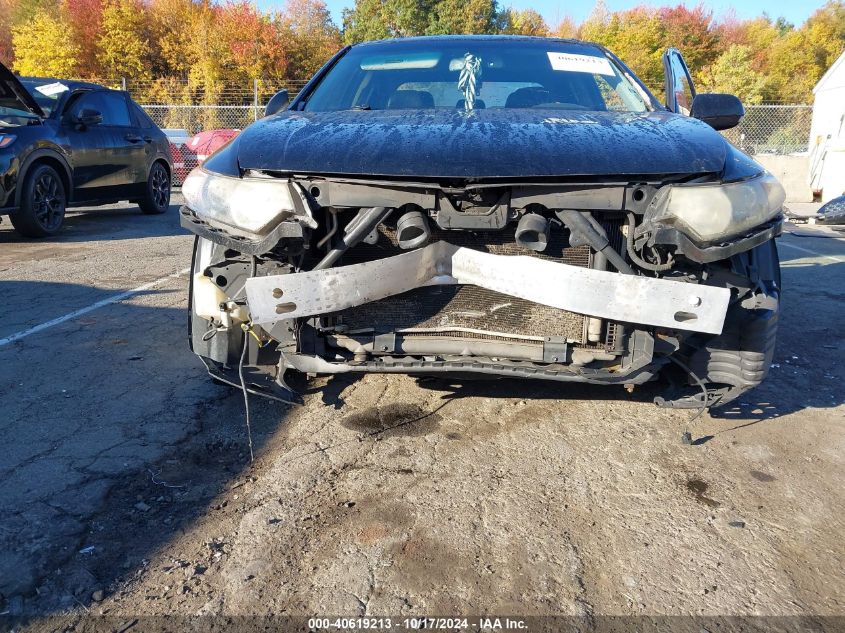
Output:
[[773, 129], [198, 118]]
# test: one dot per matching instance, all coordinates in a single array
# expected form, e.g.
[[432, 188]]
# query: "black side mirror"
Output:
[[88, 117], [719, 111], [277, 103]]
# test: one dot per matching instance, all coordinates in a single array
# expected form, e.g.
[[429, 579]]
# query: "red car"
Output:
[[192, 152]]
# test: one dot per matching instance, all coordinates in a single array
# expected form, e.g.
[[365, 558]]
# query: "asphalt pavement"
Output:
[[127, 487]]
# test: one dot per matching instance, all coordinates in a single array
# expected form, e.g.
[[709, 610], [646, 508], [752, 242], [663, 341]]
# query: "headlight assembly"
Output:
[[249, 205], [710, 212]]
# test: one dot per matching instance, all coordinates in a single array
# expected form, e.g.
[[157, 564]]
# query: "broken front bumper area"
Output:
[[288, 314], [597, 293]]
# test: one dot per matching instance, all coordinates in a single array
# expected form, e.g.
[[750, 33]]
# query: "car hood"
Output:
[[482, 144], [14, 95]]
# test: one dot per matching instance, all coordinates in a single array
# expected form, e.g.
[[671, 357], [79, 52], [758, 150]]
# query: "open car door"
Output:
[[680, 91]]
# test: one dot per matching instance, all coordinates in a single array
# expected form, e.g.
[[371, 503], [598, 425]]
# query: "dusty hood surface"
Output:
[[14, 95], [484, 144]]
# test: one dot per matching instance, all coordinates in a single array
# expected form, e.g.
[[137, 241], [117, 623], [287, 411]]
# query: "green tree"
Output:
[[380, 19], [122, 47], [41, 47], [733, 73], [463, 16]]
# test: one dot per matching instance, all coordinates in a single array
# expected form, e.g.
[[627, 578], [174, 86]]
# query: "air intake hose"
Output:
[[586, 230]]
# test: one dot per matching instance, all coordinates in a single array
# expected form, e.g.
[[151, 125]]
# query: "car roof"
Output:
[[73, 84], [476, 38]]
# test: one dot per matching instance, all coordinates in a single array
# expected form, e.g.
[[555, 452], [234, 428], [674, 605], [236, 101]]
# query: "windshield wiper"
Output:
[[363, 106]]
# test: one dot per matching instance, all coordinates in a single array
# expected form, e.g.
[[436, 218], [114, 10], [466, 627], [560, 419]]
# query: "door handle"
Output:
[[133, 138]]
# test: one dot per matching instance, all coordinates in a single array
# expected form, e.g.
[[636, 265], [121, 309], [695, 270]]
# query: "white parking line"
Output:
[[833, 258], [94, 306]]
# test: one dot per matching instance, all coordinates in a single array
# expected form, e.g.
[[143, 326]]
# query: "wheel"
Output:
[[43, 203], [157, 198]]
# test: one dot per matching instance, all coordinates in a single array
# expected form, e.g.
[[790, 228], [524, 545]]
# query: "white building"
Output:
[[827, 133]]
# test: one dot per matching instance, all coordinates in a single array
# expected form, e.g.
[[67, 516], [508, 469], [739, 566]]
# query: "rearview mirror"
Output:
[[719, 111], [88, 117], [277, 103]]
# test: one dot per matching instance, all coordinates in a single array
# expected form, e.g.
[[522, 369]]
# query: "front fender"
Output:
[[55, 156]]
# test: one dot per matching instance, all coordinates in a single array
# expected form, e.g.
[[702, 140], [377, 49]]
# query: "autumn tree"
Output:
[[26, 10], [566, 29], [733, 73], [7, 8], [637, 36], [689, 30], [84, 20], [463, 16], [121, 47], [210, 57], [380, 19], [252, 41], [167, 22], [41, 47], [798, 59], [310, 36], [523, 22]]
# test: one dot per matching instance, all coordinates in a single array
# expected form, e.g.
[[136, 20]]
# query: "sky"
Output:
[[795, 11]]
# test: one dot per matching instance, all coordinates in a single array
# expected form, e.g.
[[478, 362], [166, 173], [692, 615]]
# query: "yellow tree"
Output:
[[523, 22], [732, 72], [41, 47], [637, 36], [799, 58], [566, 29], [167, 23], [121, 47]]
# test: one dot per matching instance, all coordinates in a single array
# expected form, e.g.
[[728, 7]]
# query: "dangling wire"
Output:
[[469, 81], [246, 395]]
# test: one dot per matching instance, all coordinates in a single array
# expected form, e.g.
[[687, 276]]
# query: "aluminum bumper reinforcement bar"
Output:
[[598, 293]]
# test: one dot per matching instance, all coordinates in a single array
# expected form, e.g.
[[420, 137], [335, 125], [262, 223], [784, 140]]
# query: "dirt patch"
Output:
[[396, 418], [761, 476], [698, 487]]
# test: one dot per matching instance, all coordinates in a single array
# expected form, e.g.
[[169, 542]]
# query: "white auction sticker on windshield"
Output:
[[48, 90], [581, 63]]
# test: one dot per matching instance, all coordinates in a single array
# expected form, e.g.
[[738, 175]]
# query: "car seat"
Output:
[[528, 97], [410, 100]]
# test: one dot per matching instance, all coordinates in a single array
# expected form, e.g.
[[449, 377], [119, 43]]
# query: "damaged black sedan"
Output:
[[487, 206]]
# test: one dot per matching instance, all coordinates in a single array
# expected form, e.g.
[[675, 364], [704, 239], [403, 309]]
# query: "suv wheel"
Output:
[[157, 198], [43, 204]]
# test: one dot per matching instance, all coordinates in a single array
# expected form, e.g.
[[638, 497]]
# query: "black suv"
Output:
[[71, 143]]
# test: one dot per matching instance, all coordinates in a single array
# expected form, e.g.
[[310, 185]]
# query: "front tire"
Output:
[[156, 200], [43, 203]]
